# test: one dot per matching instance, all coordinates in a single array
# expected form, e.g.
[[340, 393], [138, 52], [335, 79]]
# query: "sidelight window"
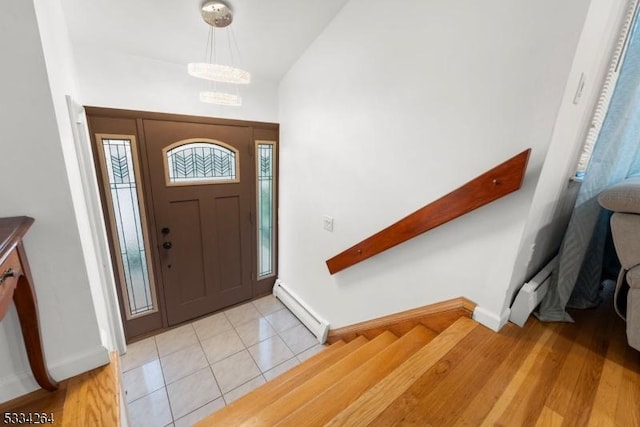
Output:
[[119, 171], [266, 207]]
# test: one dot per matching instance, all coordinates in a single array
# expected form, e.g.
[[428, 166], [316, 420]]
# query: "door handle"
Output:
[[167, 245]]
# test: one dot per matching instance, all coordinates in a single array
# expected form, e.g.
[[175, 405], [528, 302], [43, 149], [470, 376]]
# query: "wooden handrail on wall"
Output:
[[503, 179]]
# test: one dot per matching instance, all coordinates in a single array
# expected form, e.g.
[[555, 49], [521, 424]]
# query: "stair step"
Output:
[[375, 400], [250, 404], [331, 401], [430, 399], [299, 396]]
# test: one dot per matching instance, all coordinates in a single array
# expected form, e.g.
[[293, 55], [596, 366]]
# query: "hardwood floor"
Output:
[[93, 398], [576, 374], [582, 373], [41, 401], [543, 374], [89, 399]]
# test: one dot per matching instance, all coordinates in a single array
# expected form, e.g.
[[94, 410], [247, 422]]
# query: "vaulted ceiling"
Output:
[[271, 35]]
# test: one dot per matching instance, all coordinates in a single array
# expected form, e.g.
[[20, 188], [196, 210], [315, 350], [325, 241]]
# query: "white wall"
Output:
[[84, 190], [379, 118], [35, 182], [119, 80], [555, 195]]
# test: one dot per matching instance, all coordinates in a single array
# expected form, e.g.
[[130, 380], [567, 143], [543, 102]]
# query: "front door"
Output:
[[201, 178]]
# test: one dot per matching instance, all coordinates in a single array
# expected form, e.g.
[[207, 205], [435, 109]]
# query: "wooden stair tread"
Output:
[[438, 317], [297, 397], [578, 374], [251, 403], [428, 401], [371, 403], [323, 407], [487, 394]]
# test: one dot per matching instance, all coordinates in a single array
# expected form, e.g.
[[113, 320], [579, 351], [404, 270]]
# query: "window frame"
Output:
[[273, 144], [104, 176], [176, 144]]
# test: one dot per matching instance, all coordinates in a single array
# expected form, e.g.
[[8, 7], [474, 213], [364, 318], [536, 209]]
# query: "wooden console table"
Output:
[[15, 281]]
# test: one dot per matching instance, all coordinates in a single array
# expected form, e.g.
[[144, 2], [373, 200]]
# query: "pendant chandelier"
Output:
[[219, 16]]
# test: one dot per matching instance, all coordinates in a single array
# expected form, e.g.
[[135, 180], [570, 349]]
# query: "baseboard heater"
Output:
[[317, 326], [531, 294]]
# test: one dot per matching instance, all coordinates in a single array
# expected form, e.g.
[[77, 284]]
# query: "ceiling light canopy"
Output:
[[218, 15]]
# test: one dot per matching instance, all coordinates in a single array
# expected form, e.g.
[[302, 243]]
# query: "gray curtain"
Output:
[[616, 156]]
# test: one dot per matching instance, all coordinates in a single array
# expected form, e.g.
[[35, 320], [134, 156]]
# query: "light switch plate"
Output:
[[327, 223]]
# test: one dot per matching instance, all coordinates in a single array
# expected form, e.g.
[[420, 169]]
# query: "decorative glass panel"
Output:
[[201, 162], [265, 164], [126, 215]]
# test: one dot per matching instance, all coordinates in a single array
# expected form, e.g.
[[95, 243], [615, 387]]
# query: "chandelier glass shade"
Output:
[[219, 73], [219, 63], [221, 98]]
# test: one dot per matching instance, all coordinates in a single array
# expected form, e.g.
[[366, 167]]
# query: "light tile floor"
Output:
[[180, 376]]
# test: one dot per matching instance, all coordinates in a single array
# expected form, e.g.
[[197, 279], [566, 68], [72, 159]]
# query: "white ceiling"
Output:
[[271, 35]]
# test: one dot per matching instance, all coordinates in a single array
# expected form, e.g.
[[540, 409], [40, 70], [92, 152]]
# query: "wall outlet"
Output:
[[327, 223]]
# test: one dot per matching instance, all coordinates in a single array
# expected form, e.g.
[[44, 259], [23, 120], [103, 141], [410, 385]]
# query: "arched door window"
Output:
[[201, 161]]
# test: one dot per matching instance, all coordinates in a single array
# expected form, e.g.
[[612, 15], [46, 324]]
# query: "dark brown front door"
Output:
[[202, 178]]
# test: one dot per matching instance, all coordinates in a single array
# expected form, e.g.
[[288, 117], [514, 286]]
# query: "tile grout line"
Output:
[[210, 369], [246, 382], [210, 364], [246, 348], [164, 380], [242, 341]]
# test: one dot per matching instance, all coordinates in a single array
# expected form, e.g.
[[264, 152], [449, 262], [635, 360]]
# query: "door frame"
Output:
[[260, 131]]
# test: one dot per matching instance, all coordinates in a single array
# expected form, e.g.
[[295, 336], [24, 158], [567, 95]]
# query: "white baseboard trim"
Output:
[[21, 383], [78, 363], [490, 319], [16, 385]]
